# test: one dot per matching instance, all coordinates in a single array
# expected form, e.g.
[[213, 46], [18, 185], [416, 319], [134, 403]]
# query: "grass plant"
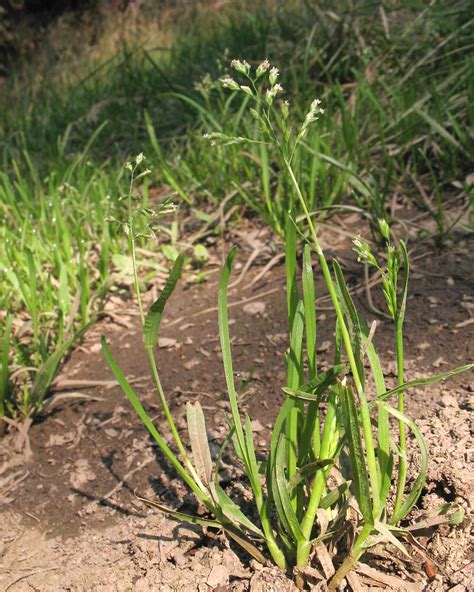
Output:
[[335, 462], [55, 269], [396, 78]]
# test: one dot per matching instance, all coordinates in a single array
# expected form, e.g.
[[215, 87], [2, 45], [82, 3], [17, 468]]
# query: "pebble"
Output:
[[449, 401], [255, 308], [219, 576]]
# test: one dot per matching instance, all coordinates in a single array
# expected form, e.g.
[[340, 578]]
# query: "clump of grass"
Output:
[[335, 462], [397, 81], [54, 269]]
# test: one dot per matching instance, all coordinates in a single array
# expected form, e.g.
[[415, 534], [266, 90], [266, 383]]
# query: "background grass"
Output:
[[395, 78]]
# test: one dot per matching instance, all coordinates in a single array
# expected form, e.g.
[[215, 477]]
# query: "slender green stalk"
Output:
[[402, 464], [319, 483], [131, 243], [262, 505], [169, 417]]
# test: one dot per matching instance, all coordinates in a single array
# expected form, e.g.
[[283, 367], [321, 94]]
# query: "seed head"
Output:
[[384, 228], [285, 109], [314, 111], [364, 252]]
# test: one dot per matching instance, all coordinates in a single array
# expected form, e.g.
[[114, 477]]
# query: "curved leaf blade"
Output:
[[155, 313]]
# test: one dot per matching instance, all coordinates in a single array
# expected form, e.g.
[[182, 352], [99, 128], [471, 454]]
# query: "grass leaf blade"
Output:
[[198, 438], [155, 313]]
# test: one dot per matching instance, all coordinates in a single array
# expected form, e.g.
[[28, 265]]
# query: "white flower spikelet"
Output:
[[242, 67], [274, 73], [262, 68], [228, 82]]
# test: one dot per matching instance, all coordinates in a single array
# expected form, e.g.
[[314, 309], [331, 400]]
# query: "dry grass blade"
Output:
[[199, 443], [391, 582]]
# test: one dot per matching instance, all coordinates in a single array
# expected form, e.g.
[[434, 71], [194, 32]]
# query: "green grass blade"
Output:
[[384, 456], [143, 415], [356, 454], [309, 300], [295, 359], [228, 528], [234, 513], [241, 540], [278, 427], [223, 321], [295, 371], [329, 500], [48, 370], [406, 276], [205, 113], [285, 507], [313, 391], [253, 472], [438, 128], [4, 371], [352, 315], [180, 516], [412, 497], [307, 472], [310, 434], [424, 381], [290, 268], [155, 313]]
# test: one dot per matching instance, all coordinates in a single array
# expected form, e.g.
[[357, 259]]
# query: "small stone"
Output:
[[255, 308], [325, 345], [449, 401], [189, 365], [256, 426], [167, 342], [219, 576]]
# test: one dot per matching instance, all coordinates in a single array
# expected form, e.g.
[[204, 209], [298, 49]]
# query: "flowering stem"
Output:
[[402, 466], [131, 241]]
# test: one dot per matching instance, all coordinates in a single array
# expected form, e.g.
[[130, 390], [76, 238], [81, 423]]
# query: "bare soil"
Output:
[[69, 517]]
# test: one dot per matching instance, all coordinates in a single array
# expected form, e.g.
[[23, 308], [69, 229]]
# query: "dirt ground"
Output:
[[69, 517]]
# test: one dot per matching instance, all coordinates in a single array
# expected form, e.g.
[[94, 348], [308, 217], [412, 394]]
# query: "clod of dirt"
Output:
[[219, 576], [255, 308], [82, 474]]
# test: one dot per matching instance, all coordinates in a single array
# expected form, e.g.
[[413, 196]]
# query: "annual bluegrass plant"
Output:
[[336, 469]]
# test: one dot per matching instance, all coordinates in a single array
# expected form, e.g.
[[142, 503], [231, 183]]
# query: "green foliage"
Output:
[[54, 266], [332, 447], [396, 82], [396, 79]]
